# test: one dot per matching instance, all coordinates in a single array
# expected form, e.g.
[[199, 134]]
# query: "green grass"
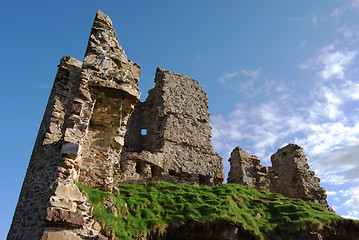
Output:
[[153, 206]]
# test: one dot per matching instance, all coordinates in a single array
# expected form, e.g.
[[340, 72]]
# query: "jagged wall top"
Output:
[[108, 61], [289, 174]]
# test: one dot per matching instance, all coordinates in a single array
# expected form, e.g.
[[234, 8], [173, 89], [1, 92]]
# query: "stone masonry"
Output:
[[289, 174], [94, 131], [176, 144]]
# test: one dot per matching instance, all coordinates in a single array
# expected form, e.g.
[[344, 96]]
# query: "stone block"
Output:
[[68, 190], [59, 235], [76, 108], [61, 216], [69, 149], [62, 203], [84, 94]]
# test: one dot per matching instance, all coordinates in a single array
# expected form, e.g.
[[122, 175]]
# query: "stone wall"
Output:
[[44, 165], [168, 135], [85, 127], [289, 174], [80, 140]]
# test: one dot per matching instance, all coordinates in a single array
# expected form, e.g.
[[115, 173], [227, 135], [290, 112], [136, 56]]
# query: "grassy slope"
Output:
[[156, 205]]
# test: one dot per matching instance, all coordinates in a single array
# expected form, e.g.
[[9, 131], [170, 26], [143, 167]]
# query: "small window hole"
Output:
[[143, 131]]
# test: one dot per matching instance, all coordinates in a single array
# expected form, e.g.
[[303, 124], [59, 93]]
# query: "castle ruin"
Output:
[[95, 131], [288, 175]]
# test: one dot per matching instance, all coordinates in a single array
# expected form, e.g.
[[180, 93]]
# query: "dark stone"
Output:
[[60, 216]]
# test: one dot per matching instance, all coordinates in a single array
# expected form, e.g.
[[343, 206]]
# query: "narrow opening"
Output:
[[143, 131], [138, 168]]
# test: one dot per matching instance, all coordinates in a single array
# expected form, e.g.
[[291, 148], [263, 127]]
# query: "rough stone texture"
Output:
[[247, 170], [44, 163], [84, 131], [60, 235], [289, 174], [60, 216], [294, 179], [177, 141]]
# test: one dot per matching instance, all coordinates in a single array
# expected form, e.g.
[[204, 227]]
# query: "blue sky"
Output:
[[275, 72]]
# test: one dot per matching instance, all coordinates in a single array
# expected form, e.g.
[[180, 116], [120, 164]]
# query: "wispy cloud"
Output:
[[335, 62], [248, 86], [227, 76], [351, 5], [318, 120], [331, 62]]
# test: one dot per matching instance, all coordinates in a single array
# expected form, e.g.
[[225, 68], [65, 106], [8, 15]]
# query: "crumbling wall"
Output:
[[84, 130], [45, 165], [169, 134], [247, 170], [112, 82], [80, 140], [293, 177], [289, 174]]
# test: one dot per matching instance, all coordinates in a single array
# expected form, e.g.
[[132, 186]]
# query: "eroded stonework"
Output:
[[174, 143], [288, 175], [91, 134]]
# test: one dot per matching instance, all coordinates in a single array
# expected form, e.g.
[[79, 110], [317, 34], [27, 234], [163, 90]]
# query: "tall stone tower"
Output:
[[89, 135]]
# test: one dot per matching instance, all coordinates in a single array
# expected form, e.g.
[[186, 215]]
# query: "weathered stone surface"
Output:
[[85, 136], [294, 179], [68, 190], [59, 235], [62, 203], [244, 168], [60, 216], [70, 149], [289, 174], [42, 171], [177, 140]]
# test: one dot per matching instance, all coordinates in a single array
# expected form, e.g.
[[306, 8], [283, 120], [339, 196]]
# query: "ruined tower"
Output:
[[91, 133]]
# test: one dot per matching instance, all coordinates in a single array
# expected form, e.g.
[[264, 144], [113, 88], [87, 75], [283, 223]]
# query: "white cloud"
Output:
[[227, 76], [353, 194], [331, 63], [352, 215], [318, 121], [331, 193], [335, 63]]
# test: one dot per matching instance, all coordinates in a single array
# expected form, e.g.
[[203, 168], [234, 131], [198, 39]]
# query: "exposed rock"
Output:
[[62, 203], [289, 174], [60, 216], [59, 235], [294, 179], [68, 190]]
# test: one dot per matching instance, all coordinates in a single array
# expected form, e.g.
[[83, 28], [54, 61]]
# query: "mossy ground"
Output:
[[156, 205]]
